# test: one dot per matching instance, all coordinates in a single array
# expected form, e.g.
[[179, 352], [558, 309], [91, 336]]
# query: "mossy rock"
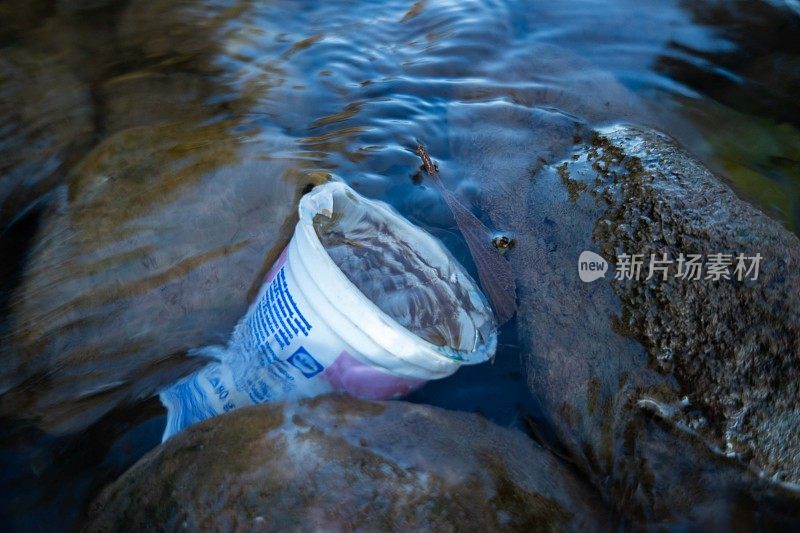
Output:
[[732, 345], [709, 368]]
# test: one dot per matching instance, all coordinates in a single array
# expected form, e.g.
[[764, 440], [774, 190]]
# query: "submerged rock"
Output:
[[46, 117], [152, 97], [21, 15], [343, 464], [155, 247]]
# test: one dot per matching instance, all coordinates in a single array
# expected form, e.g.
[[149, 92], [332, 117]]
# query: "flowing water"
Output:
[[178, 101]]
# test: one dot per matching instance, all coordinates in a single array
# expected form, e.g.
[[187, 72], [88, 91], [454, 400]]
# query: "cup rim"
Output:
[[483, 351]]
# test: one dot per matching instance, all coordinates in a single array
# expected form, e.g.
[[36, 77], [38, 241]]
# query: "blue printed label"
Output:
[[276, 320], [253, 367], [305, 363]]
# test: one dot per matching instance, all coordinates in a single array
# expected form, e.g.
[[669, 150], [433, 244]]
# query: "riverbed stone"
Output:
[[338, 463], [150, 97], [156, 245], [46, 115], [21, 15]]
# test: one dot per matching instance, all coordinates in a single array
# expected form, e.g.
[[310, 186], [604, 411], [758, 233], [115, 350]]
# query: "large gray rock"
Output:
[[48, 71], [732, 347], [336, 463], [193, 34], [626, 370], [164, 230]]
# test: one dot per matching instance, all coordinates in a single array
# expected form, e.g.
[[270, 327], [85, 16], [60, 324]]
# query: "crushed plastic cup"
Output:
[[312, 331]]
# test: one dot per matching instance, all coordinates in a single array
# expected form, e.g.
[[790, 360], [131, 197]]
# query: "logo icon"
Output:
[[591, 266], [306, 364]]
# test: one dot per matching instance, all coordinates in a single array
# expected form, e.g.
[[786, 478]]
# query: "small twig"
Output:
[[427, 164]]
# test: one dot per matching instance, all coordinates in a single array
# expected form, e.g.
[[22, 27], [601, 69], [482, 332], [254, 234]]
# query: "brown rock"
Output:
[[343, 464]]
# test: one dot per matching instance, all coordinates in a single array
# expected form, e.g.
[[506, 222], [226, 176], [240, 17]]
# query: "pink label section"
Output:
[[277, 266], [350, 376]]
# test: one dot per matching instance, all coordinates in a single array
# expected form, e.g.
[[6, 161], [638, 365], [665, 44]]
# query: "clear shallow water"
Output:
[[491, 88], [359, 85]]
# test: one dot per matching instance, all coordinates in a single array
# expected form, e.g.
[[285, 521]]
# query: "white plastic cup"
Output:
[[311, 331]]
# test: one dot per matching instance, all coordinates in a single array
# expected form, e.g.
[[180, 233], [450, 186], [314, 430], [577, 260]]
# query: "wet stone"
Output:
[[732, 345], [46, 116], [626, 368], [156, 245], [340, 463], [152, 97], [600, 363]]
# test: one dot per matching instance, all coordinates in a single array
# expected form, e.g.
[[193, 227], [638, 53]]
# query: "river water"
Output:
[[346, 88]]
